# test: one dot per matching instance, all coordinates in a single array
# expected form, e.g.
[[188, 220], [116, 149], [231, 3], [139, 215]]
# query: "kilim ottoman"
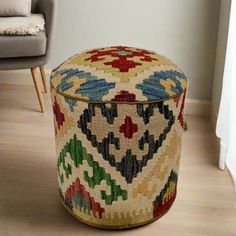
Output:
[[118, 114]]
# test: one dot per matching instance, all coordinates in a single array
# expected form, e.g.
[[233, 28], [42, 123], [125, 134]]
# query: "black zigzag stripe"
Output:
[[129, 166]]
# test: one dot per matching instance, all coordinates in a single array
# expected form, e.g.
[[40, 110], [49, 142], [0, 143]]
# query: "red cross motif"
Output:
[[128, 128]]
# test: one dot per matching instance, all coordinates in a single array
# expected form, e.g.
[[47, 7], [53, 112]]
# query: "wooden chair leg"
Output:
[[37, 88], [44, 79]]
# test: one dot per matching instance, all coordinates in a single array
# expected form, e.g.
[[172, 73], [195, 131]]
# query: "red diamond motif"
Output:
[[128, 128], [124, 96], [59, 116]]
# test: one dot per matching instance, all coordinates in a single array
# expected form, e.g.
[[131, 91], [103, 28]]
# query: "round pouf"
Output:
[[118, 115]]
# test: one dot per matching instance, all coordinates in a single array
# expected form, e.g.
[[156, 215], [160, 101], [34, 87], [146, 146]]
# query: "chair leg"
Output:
[[37, 88], [44, 79]]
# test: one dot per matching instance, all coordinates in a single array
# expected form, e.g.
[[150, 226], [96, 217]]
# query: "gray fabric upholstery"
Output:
[[22, 63], [23, 46], [48, 9], [34, 6]]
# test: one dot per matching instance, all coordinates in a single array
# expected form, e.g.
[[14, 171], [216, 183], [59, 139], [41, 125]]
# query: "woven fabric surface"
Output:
[[119, 74], [117, 163], [119, 118]]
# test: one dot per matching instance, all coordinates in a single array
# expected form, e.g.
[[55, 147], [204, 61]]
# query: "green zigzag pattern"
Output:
[[79, 154]]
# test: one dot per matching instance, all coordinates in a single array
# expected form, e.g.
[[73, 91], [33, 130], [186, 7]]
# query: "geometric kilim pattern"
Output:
[[79, 155], [76, 196], [118, 118], [129, 164], [118, 163], [166, 197], [104, 74]]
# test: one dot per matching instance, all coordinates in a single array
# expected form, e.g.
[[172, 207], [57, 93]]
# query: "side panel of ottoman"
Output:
[[117, 163]]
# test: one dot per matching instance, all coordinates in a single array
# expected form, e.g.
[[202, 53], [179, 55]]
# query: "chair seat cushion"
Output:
[[23, 46]]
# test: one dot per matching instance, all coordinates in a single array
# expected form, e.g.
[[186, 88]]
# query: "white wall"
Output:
[[183, 30], [220, 56]]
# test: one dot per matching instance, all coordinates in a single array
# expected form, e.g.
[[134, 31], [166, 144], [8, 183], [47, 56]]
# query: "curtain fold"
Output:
[[226, 123]]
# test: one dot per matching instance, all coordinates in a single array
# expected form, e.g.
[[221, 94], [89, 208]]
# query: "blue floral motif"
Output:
[[93, 88], [154, 90]]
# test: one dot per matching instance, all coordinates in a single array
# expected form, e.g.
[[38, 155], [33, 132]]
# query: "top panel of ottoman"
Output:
[[118, 74]]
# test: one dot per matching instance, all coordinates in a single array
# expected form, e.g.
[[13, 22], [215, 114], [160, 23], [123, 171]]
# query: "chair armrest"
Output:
[[49, 9]]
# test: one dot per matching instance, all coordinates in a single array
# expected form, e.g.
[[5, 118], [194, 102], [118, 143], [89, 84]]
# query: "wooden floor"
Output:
[[29, 202]]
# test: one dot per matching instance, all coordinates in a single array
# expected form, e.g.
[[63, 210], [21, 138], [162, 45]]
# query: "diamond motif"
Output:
[[124, 96], [128, 163], [59, 116], [128, 128]]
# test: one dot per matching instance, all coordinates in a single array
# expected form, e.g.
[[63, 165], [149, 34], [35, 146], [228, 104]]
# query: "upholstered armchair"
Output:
[[31, 52]]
